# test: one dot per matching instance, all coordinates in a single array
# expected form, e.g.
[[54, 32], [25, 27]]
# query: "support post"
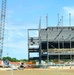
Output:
[[47, 48], [28, 46], [47, 21], [47, 39], [58, 19], [70, 35], [58, 52], [40, 41]]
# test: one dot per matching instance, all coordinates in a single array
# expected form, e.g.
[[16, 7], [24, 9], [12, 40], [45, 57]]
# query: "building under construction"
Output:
[[53, 43]]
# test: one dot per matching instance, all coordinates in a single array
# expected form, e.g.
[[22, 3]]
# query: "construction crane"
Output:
[[2, 26]]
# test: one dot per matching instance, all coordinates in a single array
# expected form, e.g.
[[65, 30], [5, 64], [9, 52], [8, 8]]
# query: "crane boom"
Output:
[[2, 26]]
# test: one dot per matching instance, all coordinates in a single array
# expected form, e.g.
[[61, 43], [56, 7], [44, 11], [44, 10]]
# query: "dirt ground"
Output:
[[39, 72]]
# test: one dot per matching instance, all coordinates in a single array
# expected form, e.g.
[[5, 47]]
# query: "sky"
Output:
[[22, 15]]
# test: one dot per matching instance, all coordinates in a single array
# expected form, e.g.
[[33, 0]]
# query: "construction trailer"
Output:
[[53, 43]]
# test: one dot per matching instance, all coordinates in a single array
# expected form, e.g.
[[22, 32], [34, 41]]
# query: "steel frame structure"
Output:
[[58, 41]]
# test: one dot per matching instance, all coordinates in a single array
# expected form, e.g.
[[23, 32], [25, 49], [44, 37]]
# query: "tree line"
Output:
[[13, 59]]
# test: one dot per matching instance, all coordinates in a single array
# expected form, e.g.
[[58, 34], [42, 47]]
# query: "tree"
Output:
[[10, 59], [6, 58], [13, 59]]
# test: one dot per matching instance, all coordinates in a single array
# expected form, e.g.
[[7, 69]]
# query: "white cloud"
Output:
[[69, 10], [13, 34], [16, 45], [9, 13], [12, 26]]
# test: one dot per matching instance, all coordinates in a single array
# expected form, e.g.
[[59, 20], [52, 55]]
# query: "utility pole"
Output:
[[2, 26]]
